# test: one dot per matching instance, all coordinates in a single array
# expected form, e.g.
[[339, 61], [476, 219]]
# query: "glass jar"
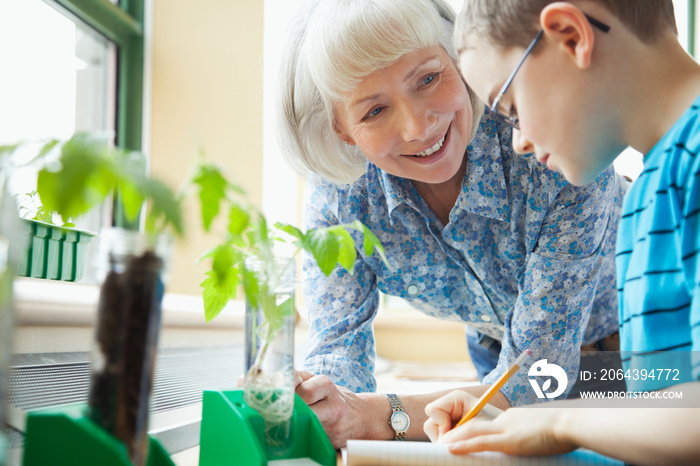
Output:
[[269, 347], [131, 268]]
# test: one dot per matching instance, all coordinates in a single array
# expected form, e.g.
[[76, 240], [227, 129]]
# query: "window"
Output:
[[73, 66]]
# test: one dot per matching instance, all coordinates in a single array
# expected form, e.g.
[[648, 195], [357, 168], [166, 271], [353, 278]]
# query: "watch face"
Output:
[[400, 421]]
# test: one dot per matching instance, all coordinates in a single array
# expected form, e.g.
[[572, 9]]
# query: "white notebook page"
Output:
[[387, 453]]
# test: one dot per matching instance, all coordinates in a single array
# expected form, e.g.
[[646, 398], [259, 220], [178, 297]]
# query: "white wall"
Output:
[[280, 183]]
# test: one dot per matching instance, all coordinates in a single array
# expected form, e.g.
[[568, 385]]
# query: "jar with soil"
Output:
[[269, 347], [131, 268]]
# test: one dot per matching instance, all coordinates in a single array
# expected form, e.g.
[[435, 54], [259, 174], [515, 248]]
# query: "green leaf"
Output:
[[208, 253], [43, 215], [85, 178], [217, 293], [48, 147], [347, 254], [131, 174], [290, 230], [262, 234], [7, 149], [224, 258], [286, 308], [323, 245], [251, 286], [132, 200], [259, 242], [164, 204], [267, 302], [238, 220], [212, 190], [275, 313], [371, 242]]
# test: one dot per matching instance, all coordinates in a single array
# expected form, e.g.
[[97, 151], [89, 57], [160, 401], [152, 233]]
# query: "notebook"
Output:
[[385, 453]]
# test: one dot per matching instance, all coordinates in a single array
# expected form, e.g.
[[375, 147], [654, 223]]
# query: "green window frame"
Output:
[[124, 25]]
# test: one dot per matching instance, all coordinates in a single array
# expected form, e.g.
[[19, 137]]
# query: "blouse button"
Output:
[[485, 318], [413, 289]]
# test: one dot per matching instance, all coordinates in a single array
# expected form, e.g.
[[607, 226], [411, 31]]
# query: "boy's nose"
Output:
[[520, 144]]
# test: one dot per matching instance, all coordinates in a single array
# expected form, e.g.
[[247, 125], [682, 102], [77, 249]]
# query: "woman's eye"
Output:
[[428, 79], [374, 112]]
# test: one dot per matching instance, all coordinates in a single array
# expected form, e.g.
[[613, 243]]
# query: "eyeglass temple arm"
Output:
[[594, 22], [512, 74]]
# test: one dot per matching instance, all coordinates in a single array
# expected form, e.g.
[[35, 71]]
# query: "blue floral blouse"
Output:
[[526, 258]]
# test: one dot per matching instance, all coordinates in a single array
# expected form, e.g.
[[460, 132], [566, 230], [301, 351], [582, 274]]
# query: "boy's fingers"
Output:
[[480, 443], [448, 410], [472, 429], [431, 430], [439, 422]]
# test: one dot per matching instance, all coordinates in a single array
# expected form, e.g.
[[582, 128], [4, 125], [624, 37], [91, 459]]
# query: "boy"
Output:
[[598, 76]]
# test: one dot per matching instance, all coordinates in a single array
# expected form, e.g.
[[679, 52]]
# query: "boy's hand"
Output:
[[446, 411], [517, 431]]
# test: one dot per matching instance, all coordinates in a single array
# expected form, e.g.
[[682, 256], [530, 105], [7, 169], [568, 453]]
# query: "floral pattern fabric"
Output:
[[526, 258]]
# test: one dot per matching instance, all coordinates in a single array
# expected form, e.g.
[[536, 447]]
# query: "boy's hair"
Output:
[[511, 23], [333, 45]]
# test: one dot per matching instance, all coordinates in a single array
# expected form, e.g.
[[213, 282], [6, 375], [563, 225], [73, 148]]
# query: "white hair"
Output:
[[333, 45]]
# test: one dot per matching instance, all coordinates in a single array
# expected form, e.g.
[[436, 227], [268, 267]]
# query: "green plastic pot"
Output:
[[53, 252]]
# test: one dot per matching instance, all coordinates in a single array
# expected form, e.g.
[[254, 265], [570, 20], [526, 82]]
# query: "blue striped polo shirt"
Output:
[[658, 257]]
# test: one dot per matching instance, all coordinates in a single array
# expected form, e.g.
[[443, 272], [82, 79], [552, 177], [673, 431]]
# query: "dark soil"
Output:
[[126, 340]]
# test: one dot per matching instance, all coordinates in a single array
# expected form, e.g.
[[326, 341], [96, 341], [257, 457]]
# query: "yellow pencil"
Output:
[[488, 394]]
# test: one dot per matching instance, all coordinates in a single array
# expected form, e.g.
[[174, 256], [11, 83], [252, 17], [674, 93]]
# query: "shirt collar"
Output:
[[397, 190]]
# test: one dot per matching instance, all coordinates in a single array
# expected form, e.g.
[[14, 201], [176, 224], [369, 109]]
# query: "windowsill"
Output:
[[403, 333], [54, 316], [56, 320]]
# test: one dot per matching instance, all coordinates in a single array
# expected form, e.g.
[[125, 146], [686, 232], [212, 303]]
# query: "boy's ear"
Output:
[[567, 26]]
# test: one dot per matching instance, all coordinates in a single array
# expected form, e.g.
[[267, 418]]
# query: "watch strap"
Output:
[[396, 407]]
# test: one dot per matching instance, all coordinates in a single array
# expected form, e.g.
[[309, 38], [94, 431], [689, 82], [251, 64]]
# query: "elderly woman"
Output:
[[373, 108]]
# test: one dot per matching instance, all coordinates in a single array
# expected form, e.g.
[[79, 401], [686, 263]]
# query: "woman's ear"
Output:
[[566, 25], [341, 134]]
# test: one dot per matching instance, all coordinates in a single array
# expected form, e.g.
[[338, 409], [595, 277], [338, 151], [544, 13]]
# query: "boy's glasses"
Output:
[[510, 117]]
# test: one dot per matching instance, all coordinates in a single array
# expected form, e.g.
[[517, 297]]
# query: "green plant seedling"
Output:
[[248, 235], [88, 170]]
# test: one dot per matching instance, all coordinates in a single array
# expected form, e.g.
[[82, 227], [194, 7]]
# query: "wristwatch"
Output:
[[399, 420]]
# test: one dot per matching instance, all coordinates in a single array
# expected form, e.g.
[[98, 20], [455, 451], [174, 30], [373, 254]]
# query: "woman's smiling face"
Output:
[[411, 119]]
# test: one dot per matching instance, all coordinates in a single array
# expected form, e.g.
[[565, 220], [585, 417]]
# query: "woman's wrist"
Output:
[[375, 411]]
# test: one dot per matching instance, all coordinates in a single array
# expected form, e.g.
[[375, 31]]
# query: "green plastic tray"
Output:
[[64, 436], [232, 433], [52, 251]]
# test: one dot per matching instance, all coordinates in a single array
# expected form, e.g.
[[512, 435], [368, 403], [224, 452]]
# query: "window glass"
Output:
[[58, 78]]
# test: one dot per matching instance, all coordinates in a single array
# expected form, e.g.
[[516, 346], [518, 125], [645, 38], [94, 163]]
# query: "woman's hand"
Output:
[[517, 431], [340, 411]]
